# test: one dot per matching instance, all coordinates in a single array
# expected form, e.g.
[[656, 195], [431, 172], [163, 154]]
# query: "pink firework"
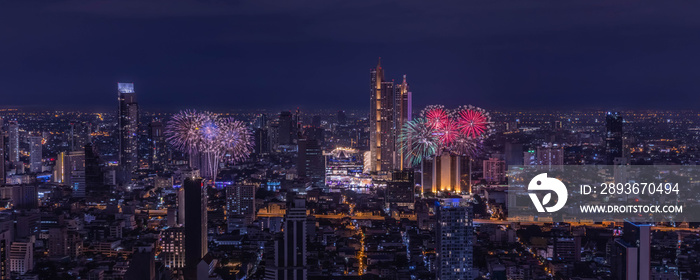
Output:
[[472, 122], [437, 116], [447, 133]]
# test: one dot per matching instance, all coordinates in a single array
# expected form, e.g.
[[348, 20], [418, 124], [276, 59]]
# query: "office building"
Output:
[[445, 173], [128, 130], [21, 257], [195, 223], [454, 240], [613, 137], [550, 155], [402, 113], [94, 178], [290, 251], [13, 142], [382, 125], [400, 190], [311, 164], [35, 156], [262, 141], [79, 135], [494, 170], [173, 247], [631, 253], [287, 131], [342, 119], [240, 206]]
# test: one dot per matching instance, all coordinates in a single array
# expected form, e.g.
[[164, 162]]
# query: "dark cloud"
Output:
[[317, 53]]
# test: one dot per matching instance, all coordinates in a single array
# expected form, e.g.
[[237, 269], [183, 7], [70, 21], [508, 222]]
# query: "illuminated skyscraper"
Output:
[[382, 126], [402, 114], [286, 128], [35, 154], [128, 130], [613, 137], [454, 240], [13, 141], [630, 256], [79, 135]]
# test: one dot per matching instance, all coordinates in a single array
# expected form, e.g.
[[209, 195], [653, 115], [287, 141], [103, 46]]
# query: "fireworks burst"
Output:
[[418, 141], [473, 122], [206, 135], [460, 132]]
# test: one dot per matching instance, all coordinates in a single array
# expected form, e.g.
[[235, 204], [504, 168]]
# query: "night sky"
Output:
[[317, 54]]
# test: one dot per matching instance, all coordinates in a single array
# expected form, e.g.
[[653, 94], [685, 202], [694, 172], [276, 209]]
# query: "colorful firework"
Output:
[[436, 116], [205, 137], [473, 122], [460, 132], [418, 140]]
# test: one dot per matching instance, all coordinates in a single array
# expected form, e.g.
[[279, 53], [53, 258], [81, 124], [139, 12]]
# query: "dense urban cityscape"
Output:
[[393, 192]]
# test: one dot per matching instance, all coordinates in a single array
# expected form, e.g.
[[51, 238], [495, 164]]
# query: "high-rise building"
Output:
[[128, 130], [382, 126], [402, 113], [287, 133], [13, 141], [195, 223], [94, 178], [550, 155], [21, 257], [445, 173], [311, 164], [290, 251], [514, 154], [5, 241], [158, 157], [76, 173], [613, 137], [240, 206], [35, 156], [631, 254], [173, 247], [400, 190], [454, 240], [262, 141], [79, 135], [494, 170]]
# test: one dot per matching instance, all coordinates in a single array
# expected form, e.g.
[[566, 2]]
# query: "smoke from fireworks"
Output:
[[460, 132], [206, 135]]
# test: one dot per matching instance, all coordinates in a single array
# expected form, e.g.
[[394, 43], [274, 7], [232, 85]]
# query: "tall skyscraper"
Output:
[[400, 190], [35, 155], [76, 173], [262, 141], [195, 223], [631, 254], [13, 141], [382, 126], [454, 240], [290, 251], [79, 135], [240, 206], [311, 163], [128, 130], [613, 137], [402, 114]]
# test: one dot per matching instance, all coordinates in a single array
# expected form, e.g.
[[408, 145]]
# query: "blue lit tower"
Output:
[[128, 130]]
